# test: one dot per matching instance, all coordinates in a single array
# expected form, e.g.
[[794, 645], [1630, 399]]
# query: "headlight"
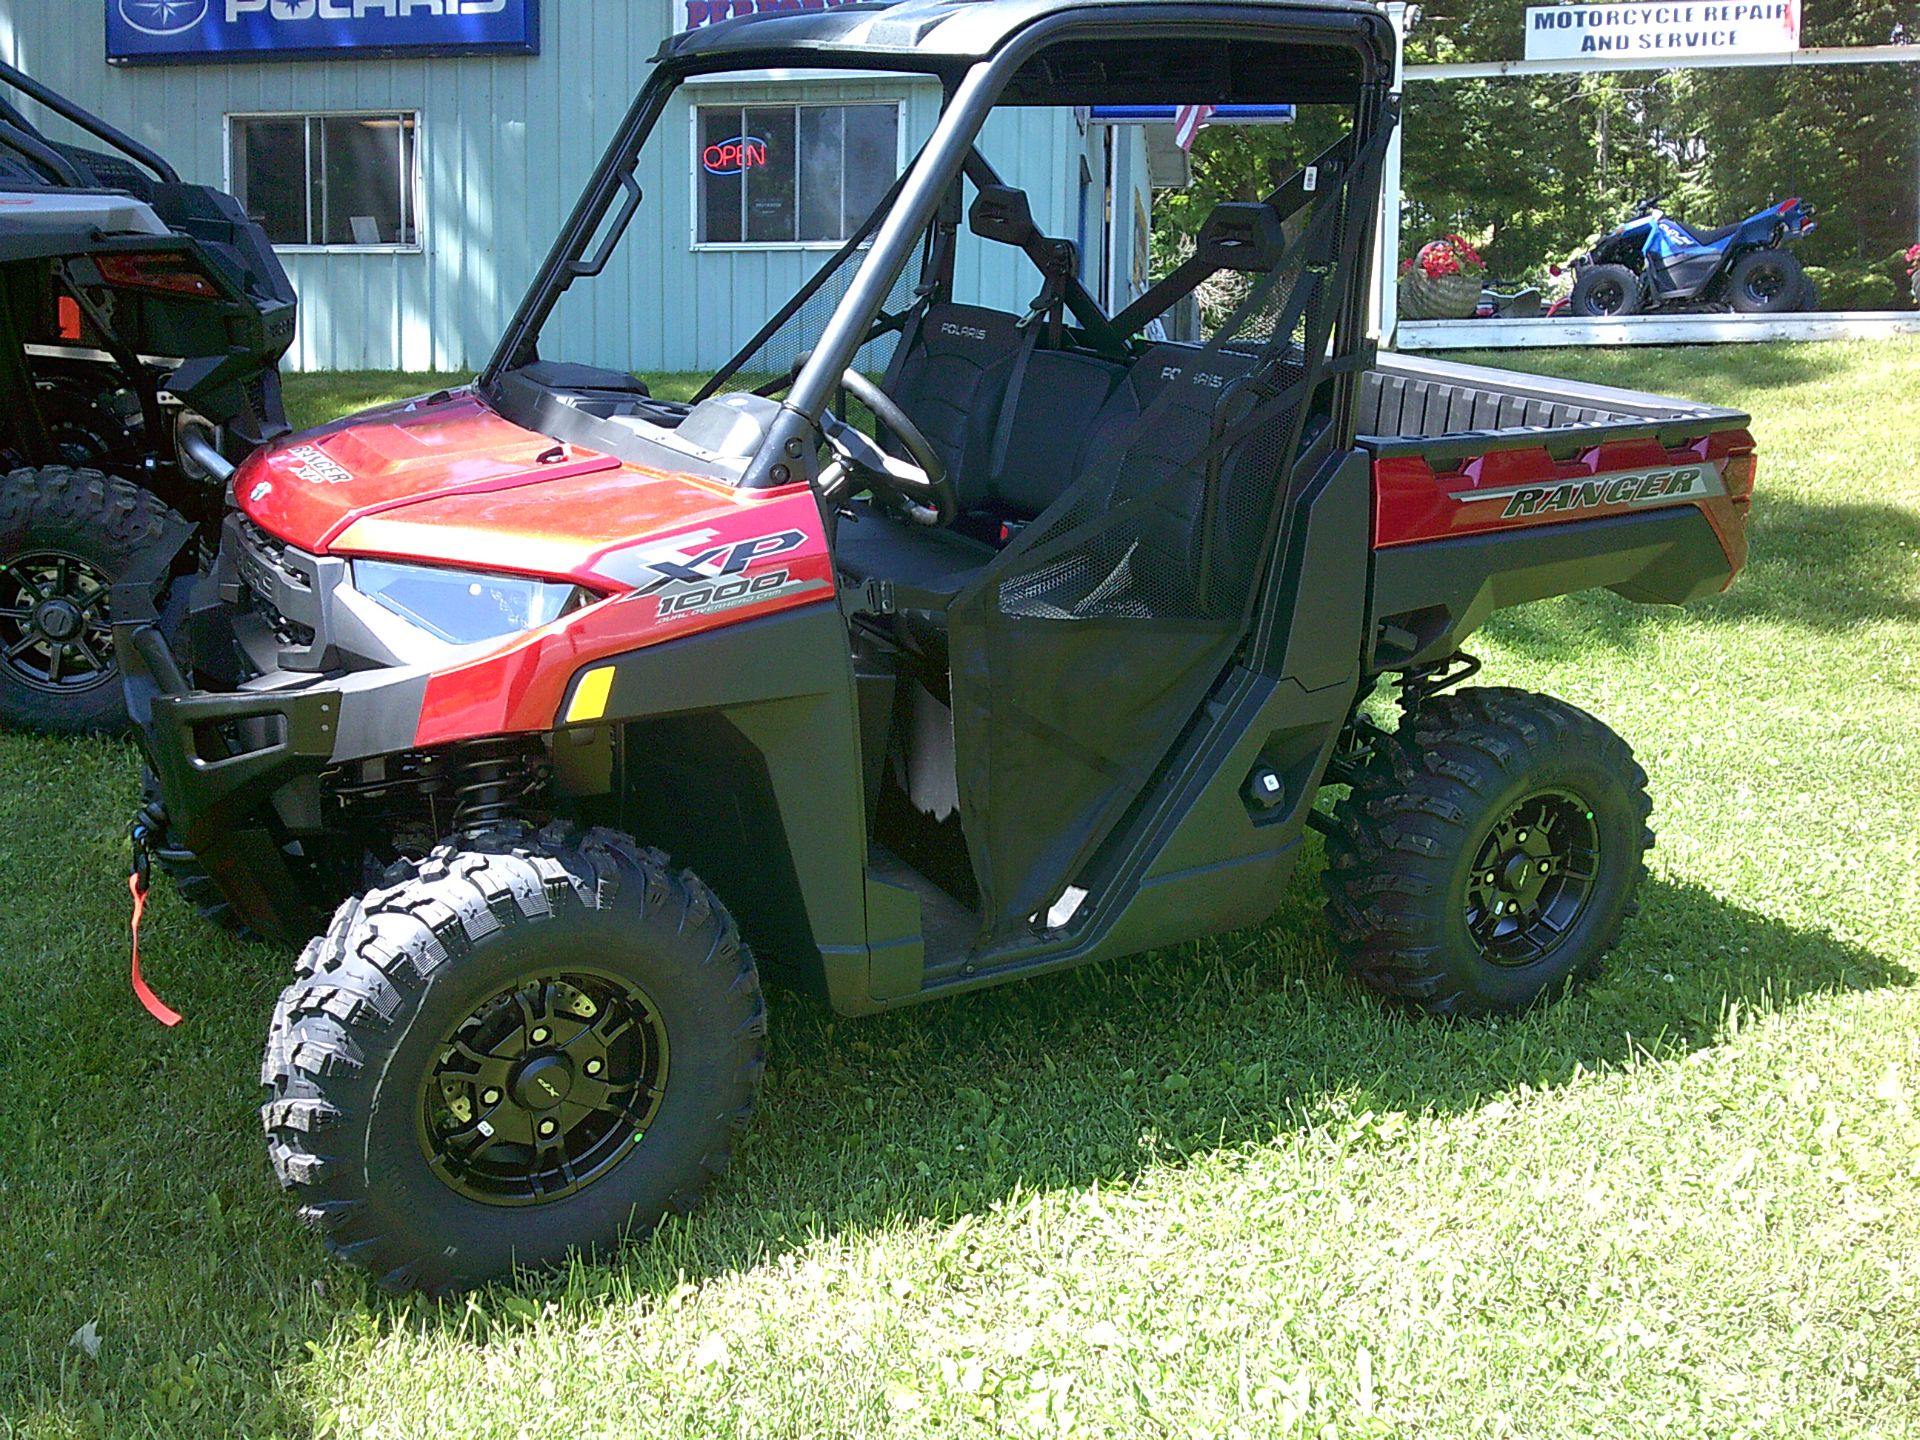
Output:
[[461, 606]]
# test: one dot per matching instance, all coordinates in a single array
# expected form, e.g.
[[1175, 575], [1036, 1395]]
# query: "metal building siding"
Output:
[[505, 144]]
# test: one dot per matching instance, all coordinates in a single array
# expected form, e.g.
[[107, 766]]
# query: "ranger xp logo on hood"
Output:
[[313, 465], [1630, 488]]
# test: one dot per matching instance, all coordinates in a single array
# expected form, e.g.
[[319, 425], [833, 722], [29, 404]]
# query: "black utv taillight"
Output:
[[165, 271]]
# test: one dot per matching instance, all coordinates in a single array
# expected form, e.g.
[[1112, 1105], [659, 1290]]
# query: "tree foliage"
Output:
[[1536, 167]]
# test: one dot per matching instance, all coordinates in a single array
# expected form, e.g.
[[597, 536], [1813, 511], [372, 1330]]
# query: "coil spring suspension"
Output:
[[490, 779]]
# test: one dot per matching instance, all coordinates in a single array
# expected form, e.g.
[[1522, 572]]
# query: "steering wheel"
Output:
[[920, 483]]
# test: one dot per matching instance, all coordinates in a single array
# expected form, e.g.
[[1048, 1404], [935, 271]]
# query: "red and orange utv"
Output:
[[558, 696]]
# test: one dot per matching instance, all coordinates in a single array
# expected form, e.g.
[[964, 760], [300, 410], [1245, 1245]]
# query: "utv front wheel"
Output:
[[519, 1051], [67, 536], [1488, 853]]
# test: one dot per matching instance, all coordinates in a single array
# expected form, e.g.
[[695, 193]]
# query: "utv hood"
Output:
[[445, 479]]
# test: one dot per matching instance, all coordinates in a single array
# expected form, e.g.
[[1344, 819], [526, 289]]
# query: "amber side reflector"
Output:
[[590, 696], [1739, 475], [68, 322]]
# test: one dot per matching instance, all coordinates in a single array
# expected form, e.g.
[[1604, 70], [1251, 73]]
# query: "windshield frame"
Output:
[[971, 93]]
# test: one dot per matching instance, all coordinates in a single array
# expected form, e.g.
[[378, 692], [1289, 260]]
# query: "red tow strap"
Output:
[[156, 1007]]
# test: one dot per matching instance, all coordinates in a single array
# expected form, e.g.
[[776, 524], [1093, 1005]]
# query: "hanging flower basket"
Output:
[[1442, 282]]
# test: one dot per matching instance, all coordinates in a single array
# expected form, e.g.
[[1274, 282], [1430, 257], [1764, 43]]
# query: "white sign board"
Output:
[[1682, 29]]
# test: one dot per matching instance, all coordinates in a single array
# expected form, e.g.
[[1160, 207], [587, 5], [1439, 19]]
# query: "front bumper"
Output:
[[238, 768]]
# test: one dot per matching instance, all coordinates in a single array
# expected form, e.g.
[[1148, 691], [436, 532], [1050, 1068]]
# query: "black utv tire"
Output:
[[1602, 291], [362, 1045], [1479, 784], [1766, 282], [66, 537]]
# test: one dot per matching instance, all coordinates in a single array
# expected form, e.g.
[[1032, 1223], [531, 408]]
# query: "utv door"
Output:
[[1090, 643]]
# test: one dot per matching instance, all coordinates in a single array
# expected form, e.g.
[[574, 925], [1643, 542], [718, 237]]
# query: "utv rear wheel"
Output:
[[522, 1050], [67, 537], [1488, 853], [1603, 290], [1766, 282]]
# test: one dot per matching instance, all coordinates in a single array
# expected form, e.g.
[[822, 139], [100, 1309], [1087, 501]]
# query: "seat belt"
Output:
[[1049, 305]]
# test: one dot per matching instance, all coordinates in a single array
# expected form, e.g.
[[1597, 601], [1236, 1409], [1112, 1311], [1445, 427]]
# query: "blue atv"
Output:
[[1654, 262]]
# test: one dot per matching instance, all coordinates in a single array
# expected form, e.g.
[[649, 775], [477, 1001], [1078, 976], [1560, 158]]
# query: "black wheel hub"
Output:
[[55, 633], [1532, 877], [544, 1088], [58, 619], [543, 1082]]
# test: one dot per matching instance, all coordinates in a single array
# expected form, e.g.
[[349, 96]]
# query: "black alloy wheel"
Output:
[[55, 635], [67, 537], [1767, 282], [1532, 878], [1488, 853], [470, 1071], [1602, 291], [542, 1089]]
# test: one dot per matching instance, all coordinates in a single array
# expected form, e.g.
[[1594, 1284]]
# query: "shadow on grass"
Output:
[[924, 1116], [1094, 1076]]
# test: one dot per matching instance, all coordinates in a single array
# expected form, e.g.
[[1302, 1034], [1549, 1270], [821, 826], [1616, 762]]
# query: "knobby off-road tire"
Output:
[[66, 537], [1603, 290], [1448, 824], [1767, 282], [360, 1046]]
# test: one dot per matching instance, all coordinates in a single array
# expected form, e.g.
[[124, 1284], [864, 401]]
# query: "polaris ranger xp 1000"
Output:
[[557, 694]]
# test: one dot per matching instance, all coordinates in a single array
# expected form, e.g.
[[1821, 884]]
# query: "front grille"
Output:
[[258, 544], [269, 570], [286, 631]]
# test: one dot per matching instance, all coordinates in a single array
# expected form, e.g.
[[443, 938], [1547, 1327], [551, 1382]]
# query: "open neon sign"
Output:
[[730, 157]]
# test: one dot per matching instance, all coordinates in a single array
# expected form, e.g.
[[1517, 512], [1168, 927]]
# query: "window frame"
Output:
[[412, 188], [697, 103]]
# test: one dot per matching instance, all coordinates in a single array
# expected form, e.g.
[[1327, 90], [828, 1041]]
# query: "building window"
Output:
[[347, 180], [791, 174]]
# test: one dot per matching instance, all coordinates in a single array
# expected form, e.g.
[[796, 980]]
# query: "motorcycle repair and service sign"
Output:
[[1680, 30], [158, 31]]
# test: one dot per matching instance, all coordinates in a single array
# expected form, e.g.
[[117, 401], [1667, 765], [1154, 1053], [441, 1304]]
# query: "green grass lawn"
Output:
[[1213, 1192]]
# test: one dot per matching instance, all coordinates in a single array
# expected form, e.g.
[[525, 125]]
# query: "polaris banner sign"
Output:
[[1681, 31], [150, 31]]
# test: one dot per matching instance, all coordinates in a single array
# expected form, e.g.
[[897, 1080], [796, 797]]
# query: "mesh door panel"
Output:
[[1090, 643]]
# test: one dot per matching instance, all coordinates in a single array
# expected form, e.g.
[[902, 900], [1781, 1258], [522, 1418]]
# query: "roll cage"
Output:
[[1010, 52]]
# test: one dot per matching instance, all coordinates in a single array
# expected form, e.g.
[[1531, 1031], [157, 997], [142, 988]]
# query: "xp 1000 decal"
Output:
[[697, 573]]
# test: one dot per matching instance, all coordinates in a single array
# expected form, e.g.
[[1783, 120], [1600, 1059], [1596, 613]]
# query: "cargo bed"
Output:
[[1492, 489], [1408, 403]]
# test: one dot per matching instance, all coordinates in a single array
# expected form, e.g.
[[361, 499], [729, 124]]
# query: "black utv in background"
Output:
[[141, 321]]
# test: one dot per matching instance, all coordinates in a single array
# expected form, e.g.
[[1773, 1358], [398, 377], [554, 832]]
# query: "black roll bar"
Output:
[[87, 121]]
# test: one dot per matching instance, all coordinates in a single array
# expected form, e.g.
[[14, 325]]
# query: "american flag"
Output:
[[1187, 120]]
